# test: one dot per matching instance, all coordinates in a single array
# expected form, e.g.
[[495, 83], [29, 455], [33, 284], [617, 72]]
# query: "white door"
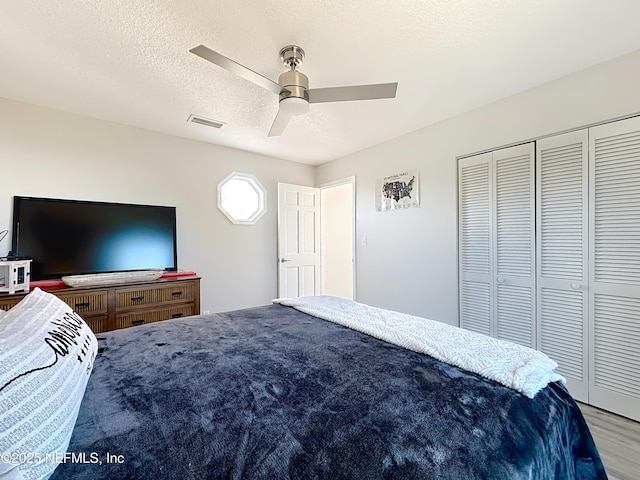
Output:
[[298, 241], [614, 272], [514, 245], [475, 188], [562, 248]]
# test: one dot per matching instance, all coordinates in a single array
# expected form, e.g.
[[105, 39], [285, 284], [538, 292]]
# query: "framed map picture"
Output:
[[401, 190]]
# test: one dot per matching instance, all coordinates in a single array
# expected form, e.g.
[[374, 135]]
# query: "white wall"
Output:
[[410, 261], [48, 153]]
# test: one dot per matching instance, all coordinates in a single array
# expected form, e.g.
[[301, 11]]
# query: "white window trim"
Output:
[[261, 208]]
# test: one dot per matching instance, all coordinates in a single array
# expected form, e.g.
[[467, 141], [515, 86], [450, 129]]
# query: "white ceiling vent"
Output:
[[205, 121]]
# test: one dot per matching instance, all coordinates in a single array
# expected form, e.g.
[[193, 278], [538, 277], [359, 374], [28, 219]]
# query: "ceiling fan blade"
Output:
[[356, 92], [279, 124], [235, 67]]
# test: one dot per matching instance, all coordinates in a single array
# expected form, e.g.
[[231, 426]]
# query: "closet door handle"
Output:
[[500, 280], [575, 286]]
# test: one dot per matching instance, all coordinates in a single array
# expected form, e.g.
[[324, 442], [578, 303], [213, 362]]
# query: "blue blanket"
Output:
[[273, 393]]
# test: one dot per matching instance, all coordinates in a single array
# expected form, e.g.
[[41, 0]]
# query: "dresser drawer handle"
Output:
[[135, 323], [137, 299], [176, 315], [83, 306], [176, 294]]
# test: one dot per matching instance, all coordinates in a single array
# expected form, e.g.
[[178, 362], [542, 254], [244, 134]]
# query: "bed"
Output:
[[275, 393]]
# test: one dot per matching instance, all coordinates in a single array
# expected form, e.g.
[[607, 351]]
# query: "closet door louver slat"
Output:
[[562, 331], [561, 250], [475, 219], [475, 308], [514, 314], [615, 269], [616, 350]]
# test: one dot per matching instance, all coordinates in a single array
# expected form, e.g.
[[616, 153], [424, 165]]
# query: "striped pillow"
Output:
[[46, 356]]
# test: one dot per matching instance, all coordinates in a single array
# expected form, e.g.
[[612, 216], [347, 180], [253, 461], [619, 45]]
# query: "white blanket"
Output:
[[517, 367]]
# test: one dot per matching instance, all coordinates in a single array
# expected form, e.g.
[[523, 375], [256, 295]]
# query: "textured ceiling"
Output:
[[128, 61]]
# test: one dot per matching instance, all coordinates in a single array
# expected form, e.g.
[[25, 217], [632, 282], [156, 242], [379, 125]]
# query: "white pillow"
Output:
[[46, 356]]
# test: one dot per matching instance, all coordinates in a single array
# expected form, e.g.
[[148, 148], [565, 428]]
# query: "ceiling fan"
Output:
[[293, 86]]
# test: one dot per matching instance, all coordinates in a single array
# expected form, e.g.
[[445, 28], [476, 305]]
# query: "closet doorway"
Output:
[[337, 238]]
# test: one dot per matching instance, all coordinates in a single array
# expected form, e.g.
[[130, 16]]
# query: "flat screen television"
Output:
[[71, 237]]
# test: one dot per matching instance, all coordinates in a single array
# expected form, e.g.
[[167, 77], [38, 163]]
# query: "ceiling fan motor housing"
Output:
[[294, 98]]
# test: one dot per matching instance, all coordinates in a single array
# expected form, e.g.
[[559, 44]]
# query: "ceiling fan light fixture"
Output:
[[294, 106]]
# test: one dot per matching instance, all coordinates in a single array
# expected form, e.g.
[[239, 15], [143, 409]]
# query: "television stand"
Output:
[[127, 304]]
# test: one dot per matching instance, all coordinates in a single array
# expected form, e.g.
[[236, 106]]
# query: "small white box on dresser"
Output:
[[14, 276]]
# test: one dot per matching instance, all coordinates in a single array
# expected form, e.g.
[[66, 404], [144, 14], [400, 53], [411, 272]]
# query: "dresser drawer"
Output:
[[126, 320], [9, 301], [86, 304], [97, 324], [91, 306], [157, 295]]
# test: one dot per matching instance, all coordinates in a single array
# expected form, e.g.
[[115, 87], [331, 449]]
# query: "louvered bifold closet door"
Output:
[[474, 243], [514, 245], [614, 246], [561, 254]]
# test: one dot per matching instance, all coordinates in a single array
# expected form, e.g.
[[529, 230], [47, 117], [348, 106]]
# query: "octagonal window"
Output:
[[241, 198]]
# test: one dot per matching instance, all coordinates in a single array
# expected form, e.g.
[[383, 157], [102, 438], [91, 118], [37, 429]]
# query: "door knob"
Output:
[[282, 260]]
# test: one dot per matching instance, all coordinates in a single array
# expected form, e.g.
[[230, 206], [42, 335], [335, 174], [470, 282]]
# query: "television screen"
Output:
[[69, 237]]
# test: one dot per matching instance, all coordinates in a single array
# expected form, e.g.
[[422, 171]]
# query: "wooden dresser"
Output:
[[109, 307]]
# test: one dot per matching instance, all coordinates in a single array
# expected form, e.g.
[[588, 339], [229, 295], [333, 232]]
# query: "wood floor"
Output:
[[618, 441]]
